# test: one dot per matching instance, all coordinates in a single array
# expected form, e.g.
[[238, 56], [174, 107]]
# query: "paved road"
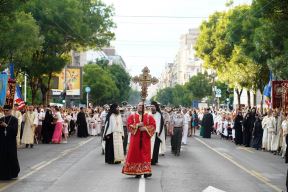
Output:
[[209, 164]]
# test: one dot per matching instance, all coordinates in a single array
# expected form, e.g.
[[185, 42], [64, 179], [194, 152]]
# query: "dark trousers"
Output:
[[176, 140], [109, 149], [125, 141], [154, 159]]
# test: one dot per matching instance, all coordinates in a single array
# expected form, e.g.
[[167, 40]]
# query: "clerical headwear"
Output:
[[124, 103], [7, 107]]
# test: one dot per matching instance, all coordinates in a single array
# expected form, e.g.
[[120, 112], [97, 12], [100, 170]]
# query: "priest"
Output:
[[159, 136], [82, 129], [113, 136], [9, 165], [138, 160]]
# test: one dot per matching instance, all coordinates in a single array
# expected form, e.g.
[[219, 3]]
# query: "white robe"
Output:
[[162, 149], [187, 119], [116, 127], [266, 139], [285, 132], [275, 142], [31, 122]]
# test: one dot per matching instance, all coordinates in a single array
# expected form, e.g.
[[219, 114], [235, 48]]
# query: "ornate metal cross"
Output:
[[145, 80]]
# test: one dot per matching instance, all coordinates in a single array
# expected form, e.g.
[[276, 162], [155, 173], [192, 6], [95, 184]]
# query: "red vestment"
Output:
[[138, 160]]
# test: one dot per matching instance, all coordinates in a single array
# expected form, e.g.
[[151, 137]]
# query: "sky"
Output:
[[148, 31]]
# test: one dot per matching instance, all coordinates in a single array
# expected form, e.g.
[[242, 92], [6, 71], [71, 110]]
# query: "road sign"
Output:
[[218, 93], [87, 89]]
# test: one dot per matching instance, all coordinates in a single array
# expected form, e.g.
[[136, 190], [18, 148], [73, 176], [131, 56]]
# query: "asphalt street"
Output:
[[208, 165]]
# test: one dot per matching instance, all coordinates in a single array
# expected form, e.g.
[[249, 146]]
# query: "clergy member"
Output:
[[9, 165], [159, 136], [16, 113], [113, 134], [30, 123], [82, 129], [207, 123], [138, 160]]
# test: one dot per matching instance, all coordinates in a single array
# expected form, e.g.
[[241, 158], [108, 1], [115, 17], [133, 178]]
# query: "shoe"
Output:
[[138, 176], [147, 175], [31, 146], [27, 145]]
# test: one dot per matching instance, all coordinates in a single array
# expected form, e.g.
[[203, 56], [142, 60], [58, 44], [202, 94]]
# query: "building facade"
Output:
[[185, 64]]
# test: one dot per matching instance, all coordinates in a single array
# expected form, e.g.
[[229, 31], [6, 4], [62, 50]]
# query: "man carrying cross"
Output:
[[142, 127], [138, 160]]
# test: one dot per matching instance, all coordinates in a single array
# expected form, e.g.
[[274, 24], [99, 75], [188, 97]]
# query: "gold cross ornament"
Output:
[[145, 80]]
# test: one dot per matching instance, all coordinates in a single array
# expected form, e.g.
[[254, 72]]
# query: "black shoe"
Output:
[[27, 145], [138, 176], [31, 145], [147, 175]]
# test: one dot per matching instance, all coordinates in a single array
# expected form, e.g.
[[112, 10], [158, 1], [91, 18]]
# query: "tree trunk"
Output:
[[262, 102], [34, 82], [48, 89], [239, 93], [249, 98], [255, 98]]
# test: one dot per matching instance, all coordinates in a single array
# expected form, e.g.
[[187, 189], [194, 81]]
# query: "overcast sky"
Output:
[[153, 41]]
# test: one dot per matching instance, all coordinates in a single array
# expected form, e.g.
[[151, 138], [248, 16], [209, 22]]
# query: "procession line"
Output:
[[142, 184], [39, 167], [257, 176]]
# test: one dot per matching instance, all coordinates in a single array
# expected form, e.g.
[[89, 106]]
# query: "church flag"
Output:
[[267, 91], [19, 99], [3, 88]]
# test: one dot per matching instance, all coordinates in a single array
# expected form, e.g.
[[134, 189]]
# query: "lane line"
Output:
[[260, 175], [260, 178], [39, 167], [245, 149], [141, 184]]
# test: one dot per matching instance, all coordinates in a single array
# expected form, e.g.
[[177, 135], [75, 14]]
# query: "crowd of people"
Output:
[[142, 130]]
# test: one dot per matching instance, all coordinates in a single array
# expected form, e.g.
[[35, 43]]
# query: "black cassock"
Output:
[[48, 127], [9, 165], [248, 125], [257, 134], [238, 126], [81, 122], [207, 123]]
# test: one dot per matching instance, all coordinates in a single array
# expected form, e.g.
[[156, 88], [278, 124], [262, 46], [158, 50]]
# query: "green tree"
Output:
[[165, 96], [199, 86], [103, 86], [65, 25], [122, 80]]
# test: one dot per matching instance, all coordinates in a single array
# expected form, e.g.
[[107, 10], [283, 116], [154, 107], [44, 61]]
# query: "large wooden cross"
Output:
[[145, 80]]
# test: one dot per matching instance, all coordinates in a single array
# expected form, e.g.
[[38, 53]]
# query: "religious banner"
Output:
[[280, 94], [10, 93], [3, 88], [70, 80]]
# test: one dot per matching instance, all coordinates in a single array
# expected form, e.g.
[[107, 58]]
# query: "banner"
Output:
[[280, 94], [19, 99], [71, 79], [3, 88], [10, 93]]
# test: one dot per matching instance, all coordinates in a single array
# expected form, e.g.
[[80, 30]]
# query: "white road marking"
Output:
[[212, 189], [142, 184], [40, 166], [251, 172]]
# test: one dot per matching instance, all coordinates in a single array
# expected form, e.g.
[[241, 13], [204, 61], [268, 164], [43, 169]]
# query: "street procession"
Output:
[[143, 96]]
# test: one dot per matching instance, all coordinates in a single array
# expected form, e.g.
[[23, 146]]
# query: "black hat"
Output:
[[124, 103], [7, 107]]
